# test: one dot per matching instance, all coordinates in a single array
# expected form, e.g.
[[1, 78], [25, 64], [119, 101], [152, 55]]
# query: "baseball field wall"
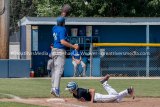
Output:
[[14, 68]]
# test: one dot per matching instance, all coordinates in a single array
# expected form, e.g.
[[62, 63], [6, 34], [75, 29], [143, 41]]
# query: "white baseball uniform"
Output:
[[113, 95]]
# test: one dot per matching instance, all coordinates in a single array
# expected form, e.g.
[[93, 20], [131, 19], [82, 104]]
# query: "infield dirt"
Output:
[[70, 102]]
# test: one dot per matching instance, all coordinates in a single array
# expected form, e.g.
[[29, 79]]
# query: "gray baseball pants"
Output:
[[58, 56]]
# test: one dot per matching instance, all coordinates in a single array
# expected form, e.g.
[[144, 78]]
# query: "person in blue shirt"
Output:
[[58, 54], [76, 60], [50, 61]]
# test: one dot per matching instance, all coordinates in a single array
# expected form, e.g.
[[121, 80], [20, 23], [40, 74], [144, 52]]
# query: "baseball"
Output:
[[86, 3]]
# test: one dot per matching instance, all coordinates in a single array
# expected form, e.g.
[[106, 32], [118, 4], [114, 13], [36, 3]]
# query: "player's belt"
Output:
[[56, 51]]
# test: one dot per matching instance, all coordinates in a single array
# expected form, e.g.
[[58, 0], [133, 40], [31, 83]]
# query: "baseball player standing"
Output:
[[50, 61], [58, 54]]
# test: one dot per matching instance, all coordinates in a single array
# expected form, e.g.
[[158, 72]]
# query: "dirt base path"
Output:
[[70, 102]]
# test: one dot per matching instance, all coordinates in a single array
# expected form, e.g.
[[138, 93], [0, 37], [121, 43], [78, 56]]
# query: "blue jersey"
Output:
[[76, 54], [59, 33]]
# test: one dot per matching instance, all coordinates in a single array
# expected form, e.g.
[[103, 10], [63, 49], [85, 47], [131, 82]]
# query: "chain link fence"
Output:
[[130, 61]]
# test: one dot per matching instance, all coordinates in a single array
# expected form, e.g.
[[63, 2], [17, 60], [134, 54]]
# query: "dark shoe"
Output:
[[106, 78], [55, 92], [131, 92]]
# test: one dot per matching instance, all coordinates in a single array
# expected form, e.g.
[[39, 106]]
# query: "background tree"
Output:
[[19, 9], [15, 11], [94, 8]]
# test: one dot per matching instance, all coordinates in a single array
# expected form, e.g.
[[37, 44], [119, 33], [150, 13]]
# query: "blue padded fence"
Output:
[[14, 68]]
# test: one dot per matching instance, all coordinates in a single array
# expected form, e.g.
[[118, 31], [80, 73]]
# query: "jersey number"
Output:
[[55, 36]]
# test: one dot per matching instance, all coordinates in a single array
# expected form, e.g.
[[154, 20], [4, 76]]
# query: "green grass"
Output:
[[14, 104], [40, 88]]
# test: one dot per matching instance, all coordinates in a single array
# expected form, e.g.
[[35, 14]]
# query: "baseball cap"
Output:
[[60, 19]]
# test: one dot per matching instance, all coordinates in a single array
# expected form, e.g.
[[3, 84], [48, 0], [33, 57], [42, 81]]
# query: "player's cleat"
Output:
[[131, 92], [55, 92], [106, 78]]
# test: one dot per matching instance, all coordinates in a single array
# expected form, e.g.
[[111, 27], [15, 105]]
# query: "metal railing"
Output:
[[129, 60]]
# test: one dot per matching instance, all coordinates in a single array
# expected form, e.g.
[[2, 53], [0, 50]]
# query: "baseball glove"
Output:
[[66, 10]]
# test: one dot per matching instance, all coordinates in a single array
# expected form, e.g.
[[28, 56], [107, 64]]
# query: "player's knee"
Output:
[[84, 66], [75, 65]]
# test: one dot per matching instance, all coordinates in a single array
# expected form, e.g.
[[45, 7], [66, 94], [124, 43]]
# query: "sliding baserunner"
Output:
[[90, 95]]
